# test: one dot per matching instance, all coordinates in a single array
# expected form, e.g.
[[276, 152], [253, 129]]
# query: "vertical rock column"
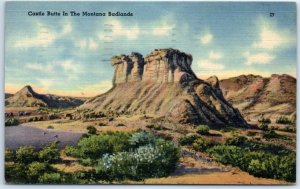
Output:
[[127, 68]]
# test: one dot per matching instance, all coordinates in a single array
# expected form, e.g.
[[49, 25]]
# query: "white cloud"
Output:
[[44, 37], [258, 58], [163, 30], [163, 27], [206, 39], [272, 37], [214, 56], [40, 67], [71, 69], [116, 29], [210, 63], [45, 83], [87, 43]]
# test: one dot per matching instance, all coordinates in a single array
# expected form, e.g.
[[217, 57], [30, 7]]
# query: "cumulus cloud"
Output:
[[44, 36], [211, 62], [272, 37], [164, 26], [258, 58], [206, 38]]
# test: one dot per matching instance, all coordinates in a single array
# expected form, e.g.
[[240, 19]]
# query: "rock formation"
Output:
[[164, 84]]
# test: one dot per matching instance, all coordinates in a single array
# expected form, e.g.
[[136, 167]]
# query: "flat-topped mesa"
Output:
[[167, 65], [127, 68]]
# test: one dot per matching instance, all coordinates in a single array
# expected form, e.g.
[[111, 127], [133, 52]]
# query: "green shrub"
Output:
[[201, 144], [271, 134], [9, 155], [11, 122], [141, 138], [50, 127], [49, 154], [96, 145], [203, 130], [264, 120], [156, 160], [236, 141], [91, 130], [284, 120], [86, 161], [15, 172], [35, 169], [263, 126], [26, 154], [257, 163], [71, 151], [188, 140], [50, 178]]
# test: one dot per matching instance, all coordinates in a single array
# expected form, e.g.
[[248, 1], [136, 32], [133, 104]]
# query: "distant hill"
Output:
[[27, 97], [7, 95], [255, 95]]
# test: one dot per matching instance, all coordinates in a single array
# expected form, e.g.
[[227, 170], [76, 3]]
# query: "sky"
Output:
[[70, 55]]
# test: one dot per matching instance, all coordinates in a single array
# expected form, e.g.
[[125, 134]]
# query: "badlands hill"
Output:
[[254, 95], [27, 97], [163, 84]]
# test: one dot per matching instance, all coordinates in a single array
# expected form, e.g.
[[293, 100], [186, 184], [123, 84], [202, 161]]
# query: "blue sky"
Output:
[[71, 55]]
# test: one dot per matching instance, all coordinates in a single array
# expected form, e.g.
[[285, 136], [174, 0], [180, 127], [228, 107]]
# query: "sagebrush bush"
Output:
[[49, 153], [257, 163], [202, 130], [26, 154], [50, 178], [96, 145], [146, 161], [35, 169]]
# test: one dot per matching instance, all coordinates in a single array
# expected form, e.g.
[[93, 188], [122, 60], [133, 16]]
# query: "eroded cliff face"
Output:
[[164, 84], [160, 66], [128, 68]]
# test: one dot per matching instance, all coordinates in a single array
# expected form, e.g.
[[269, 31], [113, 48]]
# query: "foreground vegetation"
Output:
[[257, 158], [114, 156]]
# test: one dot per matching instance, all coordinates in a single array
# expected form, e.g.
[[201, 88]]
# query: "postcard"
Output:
[[150, 92]]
